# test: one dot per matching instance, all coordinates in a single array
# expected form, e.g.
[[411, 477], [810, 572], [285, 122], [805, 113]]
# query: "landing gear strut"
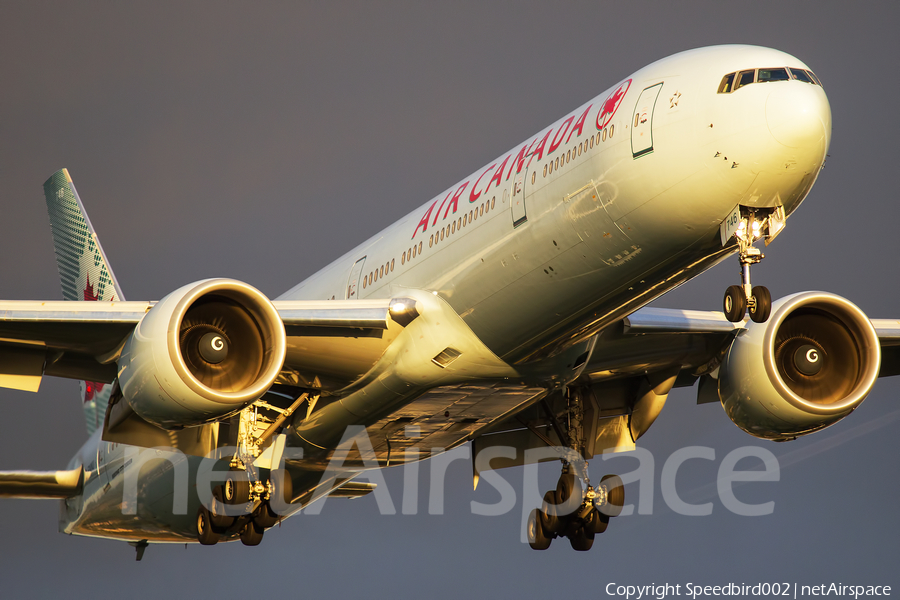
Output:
[[739, 299]]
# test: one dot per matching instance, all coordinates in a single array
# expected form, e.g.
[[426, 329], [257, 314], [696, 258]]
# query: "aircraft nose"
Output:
[[799, 116]]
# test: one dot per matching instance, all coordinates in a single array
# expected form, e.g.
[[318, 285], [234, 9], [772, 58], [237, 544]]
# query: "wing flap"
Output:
[[668, 320]]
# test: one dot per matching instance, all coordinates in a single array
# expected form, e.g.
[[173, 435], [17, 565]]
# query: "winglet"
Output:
[[84, 272]]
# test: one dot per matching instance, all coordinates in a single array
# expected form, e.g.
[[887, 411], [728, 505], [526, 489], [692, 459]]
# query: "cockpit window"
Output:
[[727, 83], [733, 81], [744, 78], [801, 75], [765, 75]]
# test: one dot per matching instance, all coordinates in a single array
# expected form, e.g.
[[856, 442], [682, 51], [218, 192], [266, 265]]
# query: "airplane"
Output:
[[509, 312]]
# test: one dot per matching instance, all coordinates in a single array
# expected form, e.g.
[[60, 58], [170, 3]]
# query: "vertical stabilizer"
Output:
[[84, 272]]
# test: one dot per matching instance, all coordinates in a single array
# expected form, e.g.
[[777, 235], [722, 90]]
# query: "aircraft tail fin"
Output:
[[84, 271]]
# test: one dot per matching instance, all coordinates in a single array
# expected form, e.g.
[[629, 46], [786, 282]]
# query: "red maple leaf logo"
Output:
[[611, 104], [91, 388], [89, 291]]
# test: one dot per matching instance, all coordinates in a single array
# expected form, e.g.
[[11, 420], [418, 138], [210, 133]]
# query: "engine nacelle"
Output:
[[807, 367], [202, 353]]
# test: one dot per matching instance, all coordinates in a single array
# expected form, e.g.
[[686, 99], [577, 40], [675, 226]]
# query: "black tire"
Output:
[[615, 495], [549, 521], [282, 489], [218, 512], [569, 494], [581, 540], [762, 307], [597, 523], [251, 534], [734, 304], [206, 535], [236, 488], [264, 517], [537, 537]]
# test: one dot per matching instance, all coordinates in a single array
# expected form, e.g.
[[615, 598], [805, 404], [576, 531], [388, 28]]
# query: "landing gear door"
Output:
[[517, 201], [352, 292], [642, 121]]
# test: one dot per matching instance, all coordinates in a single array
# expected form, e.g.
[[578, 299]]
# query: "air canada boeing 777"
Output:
[[507, 311]]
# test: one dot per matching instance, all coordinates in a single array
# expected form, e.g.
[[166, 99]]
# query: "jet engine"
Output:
[[807, 367], [202, 353]]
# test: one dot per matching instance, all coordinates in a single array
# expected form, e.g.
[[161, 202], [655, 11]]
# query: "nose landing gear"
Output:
[[740, 299]]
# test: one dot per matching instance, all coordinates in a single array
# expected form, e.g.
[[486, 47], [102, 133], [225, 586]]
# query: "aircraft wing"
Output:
[[81, 340], [714, 326], [41, 484]]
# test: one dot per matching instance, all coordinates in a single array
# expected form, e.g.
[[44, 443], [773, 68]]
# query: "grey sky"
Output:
[[261, 140]]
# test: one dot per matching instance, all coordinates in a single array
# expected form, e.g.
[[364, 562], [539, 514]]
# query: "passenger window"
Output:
[[403, 258], [533, 175], [414, 251], [766, 75], [551, 167], [604, 134], [744, 78], [492, 202], [375, 278], [420, 247], [612, 130], [568, 155], [727, 83], [365, 279], [801, 75], [431, 241], [636, 117], [592, 140], [382, 272], [392, 264], [545, 170]]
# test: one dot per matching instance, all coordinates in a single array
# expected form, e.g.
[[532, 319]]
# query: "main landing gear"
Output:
[[740, 299], [574, 511], [237, 507]]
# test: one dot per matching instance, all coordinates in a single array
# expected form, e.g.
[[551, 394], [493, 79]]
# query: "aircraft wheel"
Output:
[[217, 515], [581, 540], [735, 304], [763, 304], [537, 537], [251, 534], [568, 494], [615, 495], [264, 516], [597, 523], [282, 487], [205, 533], [236, 490], [549, 521]]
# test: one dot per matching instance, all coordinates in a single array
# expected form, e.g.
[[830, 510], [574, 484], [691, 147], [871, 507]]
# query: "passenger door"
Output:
[[642, 121], [352, 292]]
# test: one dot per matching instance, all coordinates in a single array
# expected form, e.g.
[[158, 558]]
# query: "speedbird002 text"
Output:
[[507, 311]]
